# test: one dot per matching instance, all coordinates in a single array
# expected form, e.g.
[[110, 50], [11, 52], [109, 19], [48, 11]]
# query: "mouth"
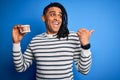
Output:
[[55, 23]]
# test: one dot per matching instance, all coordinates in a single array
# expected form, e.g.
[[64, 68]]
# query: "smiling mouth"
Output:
[[55, 23]]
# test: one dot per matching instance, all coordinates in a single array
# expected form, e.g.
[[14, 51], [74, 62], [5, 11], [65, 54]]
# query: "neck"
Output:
[[51, 33]]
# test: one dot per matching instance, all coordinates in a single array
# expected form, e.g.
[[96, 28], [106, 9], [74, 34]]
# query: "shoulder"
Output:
[[73, 34], [38, 37], [74, 37]]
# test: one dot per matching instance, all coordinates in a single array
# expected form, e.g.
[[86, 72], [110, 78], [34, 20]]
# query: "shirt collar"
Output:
[[50, 35]]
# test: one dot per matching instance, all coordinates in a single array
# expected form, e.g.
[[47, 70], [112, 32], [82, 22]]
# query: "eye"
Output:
[[52, 14], [60, 15]]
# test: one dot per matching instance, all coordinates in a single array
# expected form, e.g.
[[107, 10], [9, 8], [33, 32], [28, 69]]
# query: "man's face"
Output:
[[53, 20]]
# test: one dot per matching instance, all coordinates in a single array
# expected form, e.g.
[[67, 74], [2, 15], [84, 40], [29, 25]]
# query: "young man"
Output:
[[56, 49]]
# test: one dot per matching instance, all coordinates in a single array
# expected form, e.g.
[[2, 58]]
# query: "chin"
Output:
[[55, 32]]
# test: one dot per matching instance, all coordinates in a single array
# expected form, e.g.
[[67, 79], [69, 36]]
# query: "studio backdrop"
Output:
[[101, 15]]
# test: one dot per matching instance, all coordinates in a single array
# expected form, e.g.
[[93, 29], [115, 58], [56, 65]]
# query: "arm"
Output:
[[83, 60], [82, 55], [21, 61]]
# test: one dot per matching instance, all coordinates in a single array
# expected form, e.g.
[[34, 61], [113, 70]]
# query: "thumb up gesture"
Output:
[[84, 35]]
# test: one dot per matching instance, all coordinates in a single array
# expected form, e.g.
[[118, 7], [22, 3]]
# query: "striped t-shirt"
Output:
[[54, 57]]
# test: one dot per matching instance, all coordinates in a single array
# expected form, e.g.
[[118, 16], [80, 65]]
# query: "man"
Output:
[[56, 49]]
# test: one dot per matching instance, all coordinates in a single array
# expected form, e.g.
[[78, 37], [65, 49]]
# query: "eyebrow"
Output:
[[54, 12]]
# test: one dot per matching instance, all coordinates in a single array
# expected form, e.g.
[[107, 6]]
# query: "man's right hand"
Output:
[[16, 34]]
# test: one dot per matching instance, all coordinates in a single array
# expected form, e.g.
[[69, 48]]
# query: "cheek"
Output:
[[61, 21], [48, 21]]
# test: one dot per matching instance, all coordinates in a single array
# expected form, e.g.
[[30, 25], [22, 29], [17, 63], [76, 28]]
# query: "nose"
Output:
[[56, 17]]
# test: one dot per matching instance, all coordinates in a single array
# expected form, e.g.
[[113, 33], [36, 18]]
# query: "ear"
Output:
[[43, 18]]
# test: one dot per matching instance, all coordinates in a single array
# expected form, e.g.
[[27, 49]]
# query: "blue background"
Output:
[[101, 15]]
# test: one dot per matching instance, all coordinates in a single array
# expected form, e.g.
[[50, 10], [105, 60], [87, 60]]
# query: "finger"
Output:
[[19, 26], [82, 29], [91, 31], [16, 27], [24, 34], [78, 33]]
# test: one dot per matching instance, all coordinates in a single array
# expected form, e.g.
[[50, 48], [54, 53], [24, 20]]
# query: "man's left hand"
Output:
[[84, 35]]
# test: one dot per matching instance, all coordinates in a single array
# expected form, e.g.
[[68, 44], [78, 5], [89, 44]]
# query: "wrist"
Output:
[[16, 47], [16, 42], [87, 46]]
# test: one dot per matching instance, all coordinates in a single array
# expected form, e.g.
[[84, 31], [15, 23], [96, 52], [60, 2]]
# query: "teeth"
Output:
[[55, 23]]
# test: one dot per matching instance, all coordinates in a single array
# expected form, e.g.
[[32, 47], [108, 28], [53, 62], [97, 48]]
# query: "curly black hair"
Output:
[[63, 31]]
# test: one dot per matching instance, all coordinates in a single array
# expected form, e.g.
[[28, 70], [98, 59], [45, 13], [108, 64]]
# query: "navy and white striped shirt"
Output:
[[54, 57]]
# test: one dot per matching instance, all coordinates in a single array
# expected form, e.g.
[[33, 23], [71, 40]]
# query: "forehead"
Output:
[[54, 9]]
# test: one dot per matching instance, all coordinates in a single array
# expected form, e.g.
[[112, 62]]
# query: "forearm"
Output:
[[84, 62], [18, 58]]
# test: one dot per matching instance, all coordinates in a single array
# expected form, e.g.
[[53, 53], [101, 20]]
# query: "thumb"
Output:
[[91, 31]]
